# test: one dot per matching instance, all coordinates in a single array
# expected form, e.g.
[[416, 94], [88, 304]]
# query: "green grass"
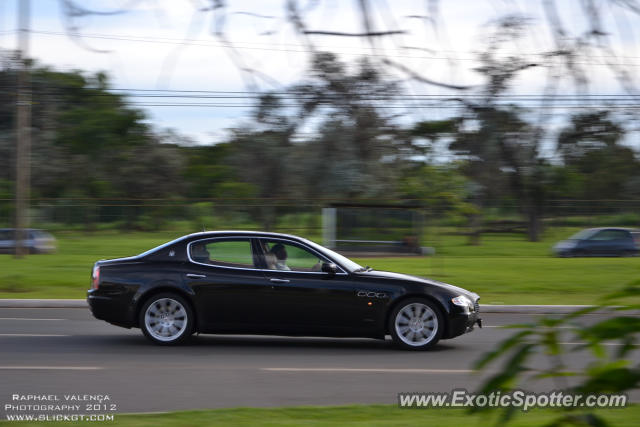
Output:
[[355, 415], [66, 273], [504, 269]]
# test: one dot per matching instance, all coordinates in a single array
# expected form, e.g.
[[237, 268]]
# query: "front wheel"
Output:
[[166, 319], [416, 324]]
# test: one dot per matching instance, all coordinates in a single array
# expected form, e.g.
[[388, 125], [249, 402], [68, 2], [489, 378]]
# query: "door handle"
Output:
[[195, 276], [274, 280]]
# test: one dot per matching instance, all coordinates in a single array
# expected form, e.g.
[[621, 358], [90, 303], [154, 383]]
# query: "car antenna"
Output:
[[203, 230]]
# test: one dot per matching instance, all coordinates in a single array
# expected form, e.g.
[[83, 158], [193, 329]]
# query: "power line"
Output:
[[269, 47]]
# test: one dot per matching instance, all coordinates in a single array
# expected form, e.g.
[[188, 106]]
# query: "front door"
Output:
[[306, 300]]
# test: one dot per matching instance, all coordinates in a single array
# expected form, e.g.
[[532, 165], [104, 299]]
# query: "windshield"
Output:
[[340, 259], [583, 235]]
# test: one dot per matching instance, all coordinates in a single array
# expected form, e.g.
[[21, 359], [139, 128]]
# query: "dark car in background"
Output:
[[37, 241], [245, 282], [600, 242]]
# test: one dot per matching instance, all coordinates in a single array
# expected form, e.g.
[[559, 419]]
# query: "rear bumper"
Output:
[[111, 310]]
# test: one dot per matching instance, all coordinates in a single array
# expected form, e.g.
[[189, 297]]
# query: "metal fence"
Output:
[[301, 215]]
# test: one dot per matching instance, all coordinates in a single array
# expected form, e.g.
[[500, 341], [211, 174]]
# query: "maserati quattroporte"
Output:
[[241, 282]]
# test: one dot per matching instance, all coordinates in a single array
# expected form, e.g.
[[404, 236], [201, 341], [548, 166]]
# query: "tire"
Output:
[[410, 321], [166, 319]]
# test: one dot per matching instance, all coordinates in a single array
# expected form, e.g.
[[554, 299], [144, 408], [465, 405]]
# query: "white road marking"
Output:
[[375, 370], [33, 335], [52, 368], [506, 327], [26, 318]]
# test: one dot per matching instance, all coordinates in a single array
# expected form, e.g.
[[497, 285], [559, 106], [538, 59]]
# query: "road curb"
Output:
[[484, 308], [43, 303], [531, 309]]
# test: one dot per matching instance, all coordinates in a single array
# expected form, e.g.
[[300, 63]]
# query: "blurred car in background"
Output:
[[600, 242], [37, 242]]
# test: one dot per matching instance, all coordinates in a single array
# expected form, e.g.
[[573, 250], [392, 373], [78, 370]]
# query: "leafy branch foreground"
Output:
[[607, 372]]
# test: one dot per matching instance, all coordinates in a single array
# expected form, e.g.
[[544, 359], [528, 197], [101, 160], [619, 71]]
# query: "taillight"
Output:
[[95, 277]]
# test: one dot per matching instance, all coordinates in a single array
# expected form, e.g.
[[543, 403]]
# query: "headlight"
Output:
[[462, 301]]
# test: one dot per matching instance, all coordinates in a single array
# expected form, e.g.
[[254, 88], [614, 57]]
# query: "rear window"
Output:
[[226, 253]]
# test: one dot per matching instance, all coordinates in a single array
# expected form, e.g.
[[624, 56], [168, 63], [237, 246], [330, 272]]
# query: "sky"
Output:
[[159, 45]]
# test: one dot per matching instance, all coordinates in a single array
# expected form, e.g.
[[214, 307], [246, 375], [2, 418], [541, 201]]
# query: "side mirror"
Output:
[[329, 268]]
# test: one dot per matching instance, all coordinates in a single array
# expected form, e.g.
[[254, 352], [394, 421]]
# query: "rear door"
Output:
[[610, 242], [230, 290]]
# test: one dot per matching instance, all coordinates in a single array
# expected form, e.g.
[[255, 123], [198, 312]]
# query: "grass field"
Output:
[[505, 269], [354, 416]]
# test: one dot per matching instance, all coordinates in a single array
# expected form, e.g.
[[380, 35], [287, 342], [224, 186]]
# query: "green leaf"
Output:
[[515, 365], [503, 348], [612, 328]]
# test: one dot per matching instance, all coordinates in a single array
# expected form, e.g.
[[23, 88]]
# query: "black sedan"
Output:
[[245, 282], [600, 242]]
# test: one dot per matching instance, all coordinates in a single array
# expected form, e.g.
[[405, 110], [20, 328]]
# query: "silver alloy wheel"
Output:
[[416, 324], [165, 319]]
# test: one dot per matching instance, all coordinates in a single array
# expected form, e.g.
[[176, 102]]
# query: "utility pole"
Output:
[[23, 131]]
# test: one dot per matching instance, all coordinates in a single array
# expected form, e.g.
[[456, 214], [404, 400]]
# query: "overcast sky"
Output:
[[169, 44]]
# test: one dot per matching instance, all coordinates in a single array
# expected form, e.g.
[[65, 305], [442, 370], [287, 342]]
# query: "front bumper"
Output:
[[463, 320]]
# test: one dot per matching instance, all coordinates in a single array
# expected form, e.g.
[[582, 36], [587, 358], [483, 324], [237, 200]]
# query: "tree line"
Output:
[[329, 137]]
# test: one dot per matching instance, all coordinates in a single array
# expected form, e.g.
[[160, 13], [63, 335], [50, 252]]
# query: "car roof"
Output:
[[633, 230], [250, 233], [189, 238]]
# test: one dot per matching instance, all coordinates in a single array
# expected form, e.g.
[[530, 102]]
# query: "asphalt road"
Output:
[[68, 352]]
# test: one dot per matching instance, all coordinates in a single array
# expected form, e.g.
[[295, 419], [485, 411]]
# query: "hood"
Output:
[[423, 280]]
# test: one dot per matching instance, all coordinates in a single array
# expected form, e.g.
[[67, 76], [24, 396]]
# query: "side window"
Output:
[[611, 235], [603, 235], [285, 256], [621, 235], [226, 253]]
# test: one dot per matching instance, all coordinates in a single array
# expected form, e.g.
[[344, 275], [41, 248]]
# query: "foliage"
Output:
[[608, 371]]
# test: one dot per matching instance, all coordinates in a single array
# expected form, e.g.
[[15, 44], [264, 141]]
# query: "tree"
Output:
[[88, 142], [499, 143], [325, 137], [590, 146]]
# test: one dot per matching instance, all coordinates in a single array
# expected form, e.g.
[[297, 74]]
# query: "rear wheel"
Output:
[[166, 319], [416, 324]]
